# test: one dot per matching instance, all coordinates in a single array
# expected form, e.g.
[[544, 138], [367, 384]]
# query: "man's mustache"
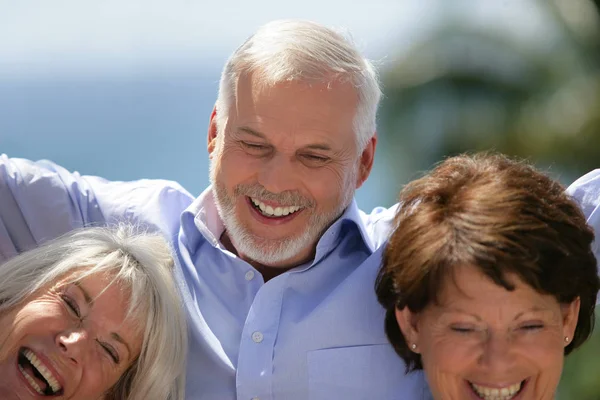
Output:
[[286, 198]]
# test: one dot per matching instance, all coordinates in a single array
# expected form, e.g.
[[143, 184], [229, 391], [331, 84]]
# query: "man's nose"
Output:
[[278, 174]]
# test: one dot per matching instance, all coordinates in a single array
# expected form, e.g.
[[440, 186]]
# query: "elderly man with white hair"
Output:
[[273, 258]]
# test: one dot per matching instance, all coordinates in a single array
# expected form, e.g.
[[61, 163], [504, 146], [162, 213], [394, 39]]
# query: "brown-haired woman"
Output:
[[488, 279]]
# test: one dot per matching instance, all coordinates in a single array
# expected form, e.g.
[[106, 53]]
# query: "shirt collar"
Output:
[[201, 219], [351, 218]]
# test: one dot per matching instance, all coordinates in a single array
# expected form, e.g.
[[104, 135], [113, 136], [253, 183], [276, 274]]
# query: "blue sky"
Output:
[[124, 88], [83, 37], [90, 37]]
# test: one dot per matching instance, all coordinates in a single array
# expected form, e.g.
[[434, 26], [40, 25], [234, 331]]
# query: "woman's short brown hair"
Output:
[[498, 214]]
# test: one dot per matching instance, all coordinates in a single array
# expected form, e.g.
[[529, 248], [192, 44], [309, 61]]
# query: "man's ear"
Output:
[[212, 132], [366, 161], [408, 323], [570, 314]]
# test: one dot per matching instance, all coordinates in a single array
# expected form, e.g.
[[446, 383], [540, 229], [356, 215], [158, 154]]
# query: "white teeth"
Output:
[[31, 381], [43, 370], [274, 212], [505, 393]]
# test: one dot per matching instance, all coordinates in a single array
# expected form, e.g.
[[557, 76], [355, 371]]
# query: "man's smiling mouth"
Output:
[[39, 377], [269, 211]]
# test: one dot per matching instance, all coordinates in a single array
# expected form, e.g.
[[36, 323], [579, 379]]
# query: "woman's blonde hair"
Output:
[[139, 261]]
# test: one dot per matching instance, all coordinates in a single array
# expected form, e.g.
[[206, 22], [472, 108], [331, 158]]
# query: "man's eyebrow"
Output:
[[119, 339], [319, 146], [252, 132], [315, 146], [86, 295]]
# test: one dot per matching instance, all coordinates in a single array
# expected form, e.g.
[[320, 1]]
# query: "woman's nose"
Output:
[[497, 353], [73, 344]]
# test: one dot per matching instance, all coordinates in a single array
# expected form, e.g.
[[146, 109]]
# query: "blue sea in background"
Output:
[[125, 128]]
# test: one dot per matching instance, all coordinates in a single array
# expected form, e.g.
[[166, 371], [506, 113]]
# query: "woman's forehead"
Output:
[[469, 285]]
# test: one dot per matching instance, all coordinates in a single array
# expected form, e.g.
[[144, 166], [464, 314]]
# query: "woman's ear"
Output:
[[408, 323], [570, 315]]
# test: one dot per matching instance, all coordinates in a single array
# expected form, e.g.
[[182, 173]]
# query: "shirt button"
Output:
[[257, 337], [249, 275]]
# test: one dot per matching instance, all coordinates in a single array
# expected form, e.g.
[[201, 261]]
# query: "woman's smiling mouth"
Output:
[[497, 393], [37, 374]]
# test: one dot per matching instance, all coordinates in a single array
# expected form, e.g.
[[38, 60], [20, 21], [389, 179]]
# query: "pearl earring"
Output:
[[566, 339], [413, 346]]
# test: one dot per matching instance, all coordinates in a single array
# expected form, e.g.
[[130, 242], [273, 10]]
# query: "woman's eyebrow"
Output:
[[119, 339], [90, 302], [534, 309], [86, 295], [458, 310]]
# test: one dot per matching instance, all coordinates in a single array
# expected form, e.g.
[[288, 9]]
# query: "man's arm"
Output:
[[41, 200], [586, 191]]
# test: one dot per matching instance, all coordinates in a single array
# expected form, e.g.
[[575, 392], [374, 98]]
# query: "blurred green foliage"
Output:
[[581, 375], [467, 87]]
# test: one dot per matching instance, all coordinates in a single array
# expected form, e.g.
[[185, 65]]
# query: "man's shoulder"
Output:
[[155, 201], [381, 215], [379, 223], [586, 191], [165, 189]]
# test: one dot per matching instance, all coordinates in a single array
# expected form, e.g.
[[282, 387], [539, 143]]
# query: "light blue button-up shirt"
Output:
[[312, 333]]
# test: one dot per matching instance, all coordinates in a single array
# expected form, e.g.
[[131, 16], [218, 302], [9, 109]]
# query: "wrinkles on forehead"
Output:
[[317, 115]]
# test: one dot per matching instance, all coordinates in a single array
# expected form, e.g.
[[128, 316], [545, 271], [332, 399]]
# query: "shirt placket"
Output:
[[254, 379]]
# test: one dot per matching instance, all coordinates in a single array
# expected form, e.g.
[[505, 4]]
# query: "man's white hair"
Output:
[[139, 262], [296, 50]]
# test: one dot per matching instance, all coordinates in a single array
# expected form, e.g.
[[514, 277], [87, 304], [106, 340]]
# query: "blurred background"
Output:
[[124, 88]]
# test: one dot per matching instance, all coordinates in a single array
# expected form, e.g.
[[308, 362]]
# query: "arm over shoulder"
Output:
[[380, 223], [42, 200], [39, 201], [586, 191]]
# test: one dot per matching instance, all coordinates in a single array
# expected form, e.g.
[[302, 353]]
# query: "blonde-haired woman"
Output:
[[94, 314]]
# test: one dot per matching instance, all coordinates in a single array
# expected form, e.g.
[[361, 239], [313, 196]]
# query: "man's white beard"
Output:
[[272, 252]]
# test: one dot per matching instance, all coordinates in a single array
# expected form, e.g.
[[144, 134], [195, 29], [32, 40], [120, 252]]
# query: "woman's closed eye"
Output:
[[110, 351], [72, 305], [534, 326], [463, 328]]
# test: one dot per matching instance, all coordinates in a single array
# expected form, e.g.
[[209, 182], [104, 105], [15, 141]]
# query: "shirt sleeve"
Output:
[[40, 201], [586, 191]]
